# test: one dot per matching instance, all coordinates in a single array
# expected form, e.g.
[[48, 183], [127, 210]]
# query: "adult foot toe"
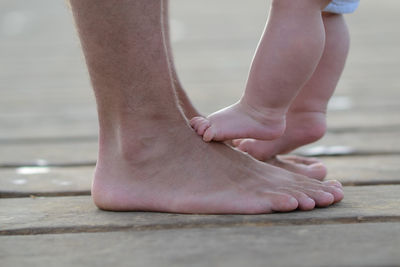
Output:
[[309, 167]]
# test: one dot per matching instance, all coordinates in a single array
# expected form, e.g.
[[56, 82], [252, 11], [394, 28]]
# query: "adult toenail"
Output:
[[317, 166], [293, 201], [328, 195], [338, 191], [333, 182]]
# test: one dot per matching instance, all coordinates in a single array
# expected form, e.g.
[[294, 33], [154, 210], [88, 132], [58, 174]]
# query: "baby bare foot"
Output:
[[310, 167], [240, 120], [196, 177], [302, 128]]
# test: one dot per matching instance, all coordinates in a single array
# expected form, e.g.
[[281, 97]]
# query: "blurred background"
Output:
[[47, 108], [48, 146]]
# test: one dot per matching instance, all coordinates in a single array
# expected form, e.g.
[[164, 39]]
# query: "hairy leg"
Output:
[[286, 57], [184, 102], [306, 122], [149, 158]]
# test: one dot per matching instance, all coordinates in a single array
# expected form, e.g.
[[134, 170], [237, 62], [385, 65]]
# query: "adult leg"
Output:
[[306, 122], [149, 158], [184, 102]]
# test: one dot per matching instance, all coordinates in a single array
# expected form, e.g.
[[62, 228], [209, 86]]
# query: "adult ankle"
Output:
[[134, 140]]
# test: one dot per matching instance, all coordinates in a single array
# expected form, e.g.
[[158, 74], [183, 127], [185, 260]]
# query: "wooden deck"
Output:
[[48, 146]]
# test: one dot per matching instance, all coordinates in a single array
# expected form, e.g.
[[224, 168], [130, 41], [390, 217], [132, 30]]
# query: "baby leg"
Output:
[[286, 57], [306, 116]]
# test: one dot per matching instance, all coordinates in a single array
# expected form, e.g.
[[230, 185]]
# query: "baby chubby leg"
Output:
[[306, 121], [286, 57]]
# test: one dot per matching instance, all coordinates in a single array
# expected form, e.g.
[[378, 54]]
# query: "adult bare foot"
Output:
[[151, 172], [310, 167]]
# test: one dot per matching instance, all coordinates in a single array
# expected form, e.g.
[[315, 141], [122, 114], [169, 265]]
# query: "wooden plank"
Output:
[[41, 126], [26, 181], [63, 152], [361, 170], [358, 142], [78, 214], [322, 245], [62, 181], [364, 120], [364, 170], [83, 150]]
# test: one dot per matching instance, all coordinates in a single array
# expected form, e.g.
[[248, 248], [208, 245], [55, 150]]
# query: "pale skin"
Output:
[[306, 120], [310, 167], [149, 157], [294, 72]]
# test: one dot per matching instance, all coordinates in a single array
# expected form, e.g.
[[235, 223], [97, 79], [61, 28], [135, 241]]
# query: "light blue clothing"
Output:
[[342, 6]]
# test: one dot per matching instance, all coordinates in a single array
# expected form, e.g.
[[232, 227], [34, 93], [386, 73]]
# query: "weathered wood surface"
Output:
[[361, 170], [73, 152], [61, 181], [358, 142], [363, 120], [316, 245], [78, 214], [27, 181]]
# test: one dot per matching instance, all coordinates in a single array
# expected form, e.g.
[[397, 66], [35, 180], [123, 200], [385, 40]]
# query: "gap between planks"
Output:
[[44, 194], [155, 227]]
